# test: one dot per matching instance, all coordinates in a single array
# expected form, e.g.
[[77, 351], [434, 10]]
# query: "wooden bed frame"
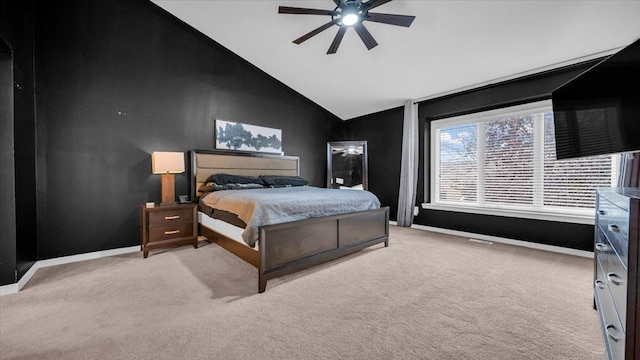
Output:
[[292, 246]]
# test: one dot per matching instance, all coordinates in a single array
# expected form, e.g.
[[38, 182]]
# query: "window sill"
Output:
[[546, 216]]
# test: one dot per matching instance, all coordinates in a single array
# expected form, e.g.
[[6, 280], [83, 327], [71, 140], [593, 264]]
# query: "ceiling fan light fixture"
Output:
[[350, 19]]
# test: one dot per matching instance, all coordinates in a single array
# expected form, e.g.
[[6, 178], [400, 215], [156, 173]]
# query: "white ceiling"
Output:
[[452, 44]]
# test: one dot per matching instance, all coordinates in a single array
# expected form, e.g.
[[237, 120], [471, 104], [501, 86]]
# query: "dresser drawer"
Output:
[[174, 231], [601, 251], [600, 275], [168, 218], [616, 279], [612, 333], [614, 221]]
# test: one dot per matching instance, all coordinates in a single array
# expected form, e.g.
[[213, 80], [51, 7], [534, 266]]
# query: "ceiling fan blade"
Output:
[[366, 37], [315, 32], [391, 19], [372, 4], [337, 40], [337, 2], [296, 10]]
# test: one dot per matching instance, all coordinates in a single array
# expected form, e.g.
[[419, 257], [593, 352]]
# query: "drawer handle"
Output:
[[610, 332], [613, 228], [614, 278], [599, 284], [171, 232], [174, 217], [602, 212], [602, 247]]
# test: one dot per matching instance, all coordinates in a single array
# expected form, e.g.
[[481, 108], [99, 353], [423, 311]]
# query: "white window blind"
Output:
[[505, 159]]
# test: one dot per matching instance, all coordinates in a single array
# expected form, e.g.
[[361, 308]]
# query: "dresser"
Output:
[[166, 226], [616, 274]]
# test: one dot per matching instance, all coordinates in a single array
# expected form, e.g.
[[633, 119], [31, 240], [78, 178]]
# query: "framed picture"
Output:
[[243, 137]]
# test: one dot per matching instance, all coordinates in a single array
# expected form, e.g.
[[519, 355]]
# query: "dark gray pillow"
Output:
[[222, 179], [210, 186], [243, 186], [280, 180]]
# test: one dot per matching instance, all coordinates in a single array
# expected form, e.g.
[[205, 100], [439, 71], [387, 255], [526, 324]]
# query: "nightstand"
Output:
[[167, 226]]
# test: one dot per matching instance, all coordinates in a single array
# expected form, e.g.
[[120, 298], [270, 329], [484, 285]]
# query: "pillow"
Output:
[[210, 186], [222, 179], [280, 180], [243, 186]]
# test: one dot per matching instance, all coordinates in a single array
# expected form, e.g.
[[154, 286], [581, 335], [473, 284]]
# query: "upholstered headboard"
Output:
[[207, 162]]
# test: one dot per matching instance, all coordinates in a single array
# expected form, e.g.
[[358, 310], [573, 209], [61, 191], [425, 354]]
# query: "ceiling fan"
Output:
[[349, 13]]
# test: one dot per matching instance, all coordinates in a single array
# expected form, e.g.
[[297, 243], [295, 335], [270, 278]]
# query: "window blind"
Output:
[[506, 158]]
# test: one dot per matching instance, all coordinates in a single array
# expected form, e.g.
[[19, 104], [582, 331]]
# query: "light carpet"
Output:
[[426, 296]]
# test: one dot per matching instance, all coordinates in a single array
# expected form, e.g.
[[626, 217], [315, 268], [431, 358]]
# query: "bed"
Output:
[[287, 247]]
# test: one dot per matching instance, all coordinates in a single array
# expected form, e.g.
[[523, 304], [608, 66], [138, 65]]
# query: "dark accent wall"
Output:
[[7, 175], [17, 30], [384, 143], [117, 80], [385, 156]]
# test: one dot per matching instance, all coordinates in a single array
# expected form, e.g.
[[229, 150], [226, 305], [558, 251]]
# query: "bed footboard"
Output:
[[293, 246]]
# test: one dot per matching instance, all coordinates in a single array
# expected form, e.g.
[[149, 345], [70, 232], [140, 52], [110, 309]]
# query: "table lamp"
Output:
[[167, 164]]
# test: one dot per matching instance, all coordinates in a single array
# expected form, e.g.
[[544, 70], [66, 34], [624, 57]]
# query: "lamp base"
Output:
[[168, 190]]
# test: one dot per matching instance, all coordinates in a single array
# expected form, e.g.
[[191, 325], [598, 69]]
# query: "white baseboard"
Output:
[[8, 289], [528, 244], [14, 288]]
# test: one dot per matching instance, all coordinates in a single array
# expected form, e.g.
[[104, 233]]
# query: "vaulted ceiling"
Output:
[[451, 45]]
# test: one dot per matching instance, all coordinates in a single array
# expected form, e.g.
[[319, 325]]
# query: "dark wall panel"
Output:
[[16, 29], [574, 236], [387, 126], [7, 175], [383, 133], [119, 79], [508, 93]]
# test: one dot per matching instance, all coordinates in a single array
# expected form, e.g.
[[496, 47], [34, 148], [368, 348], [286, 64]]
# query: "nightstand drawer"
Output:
[[169, 218], [174, 231], [167, 226]]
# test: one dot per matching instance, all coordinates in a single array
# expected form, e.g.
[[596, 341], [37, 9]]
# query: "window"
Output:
[[503, 162]]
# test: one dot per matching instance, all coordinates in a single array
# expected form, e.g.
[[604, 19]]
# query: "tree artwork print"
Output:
[[243, 137]]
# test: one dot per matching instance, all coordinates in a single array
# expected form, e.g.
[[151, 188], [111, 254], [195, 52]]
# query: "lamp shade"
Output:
[[165, 162]]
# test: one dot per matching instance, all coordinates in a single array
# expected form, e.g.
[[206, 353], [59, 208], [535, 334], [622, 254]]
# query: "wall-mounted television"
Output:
[[598, 112]]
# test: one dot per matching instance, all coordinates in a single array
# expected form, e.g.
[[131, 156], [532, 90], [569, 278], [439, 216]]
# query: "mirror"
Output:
[[347, 165]]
